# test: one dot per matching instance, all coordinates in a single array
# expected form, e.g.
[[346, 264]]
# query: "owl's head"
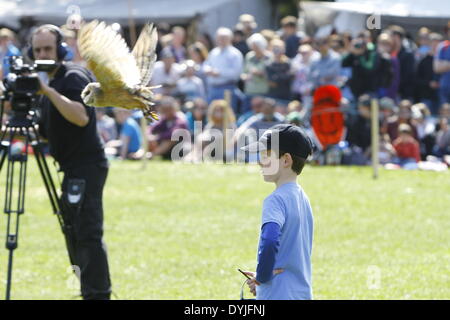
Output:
[[90, 92]]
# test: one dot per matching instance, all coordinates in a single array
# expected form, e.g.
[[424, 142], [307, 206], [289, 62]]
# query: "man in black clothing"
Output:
[[407, 62], [370, 69], [70, 127]]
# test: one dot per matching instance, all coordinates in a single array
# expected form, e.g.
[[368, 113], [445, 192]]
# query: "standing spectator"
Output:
[[177, 45], [370, 70], [248, 24], [386, 49], [189, 85], [239, 41], [326, 69], [427, 81], [7, 49], [254, 74], [289, 35], [407, 148], [130, 135], [279, 74], [160, 139], [166, 73], [223, 69], [442, 67], [198, 53], [406, 61], [423, 43], [301, 85]]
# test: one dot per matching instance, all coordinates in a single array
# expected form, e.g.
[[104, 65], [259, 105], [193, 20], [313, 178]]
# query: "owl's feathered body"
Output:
[[122, 76]]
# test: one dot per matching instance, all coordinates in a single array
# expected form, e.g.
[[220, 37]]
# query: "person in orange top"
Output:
[[406, 146]]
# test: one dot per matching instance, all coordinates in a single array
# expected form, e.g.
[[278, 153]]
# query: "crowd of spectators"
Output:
[[247, 78]]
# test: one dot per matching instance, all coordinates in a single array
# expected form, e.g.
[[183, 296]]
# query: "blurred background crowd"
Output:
[[245, 78]]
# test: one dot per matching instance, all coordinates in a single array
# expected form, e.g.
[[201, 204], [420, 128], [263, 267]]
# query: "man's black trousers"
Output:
[[90, 251]]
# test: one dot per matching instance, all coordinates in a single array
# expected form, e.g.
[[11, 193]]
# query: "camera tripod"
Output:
[[24, 126]]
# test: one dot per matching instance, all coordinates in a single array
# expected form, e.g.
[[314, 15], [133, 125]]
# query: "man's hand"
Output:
[[252, 283], [44, 88]]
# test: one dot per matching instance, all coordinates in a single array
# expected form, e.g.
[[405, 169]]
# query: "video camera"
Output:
[[22, 83]]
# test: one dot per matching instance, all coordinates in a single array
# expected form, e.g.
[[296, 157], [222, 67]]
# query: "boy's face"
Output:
[[270, 165]]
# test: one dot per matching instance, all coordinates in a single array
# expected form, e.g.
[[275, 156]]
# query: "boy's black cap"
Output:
[[291, 139]]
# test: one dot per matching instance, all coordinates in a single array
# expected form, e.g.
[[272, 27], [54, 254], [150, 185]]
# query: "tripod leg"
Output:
[[62, 213], [12, 233]]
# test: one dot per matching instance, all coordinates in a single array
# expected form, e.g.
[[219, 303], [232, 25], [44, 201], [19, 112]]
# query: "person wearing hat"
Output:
[[283, 270], [7, 49], [359, 131]]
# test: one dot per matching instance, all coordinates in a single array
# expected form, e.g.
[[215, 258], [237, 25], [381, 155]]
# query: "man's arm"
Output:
[[72, 111]]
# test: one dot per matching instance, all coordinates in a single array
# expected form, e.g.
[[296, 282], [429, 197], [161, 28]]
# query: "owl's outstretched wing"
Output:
[[144, 52], [108, 56]]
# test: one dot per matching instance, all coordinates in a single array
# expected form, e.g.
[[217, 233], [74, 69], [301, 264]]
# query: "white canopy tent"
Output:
[[211, 13], [352, 15]]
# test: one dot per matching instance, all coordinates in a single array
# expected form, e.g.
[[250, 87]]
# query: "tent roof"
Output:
[[57, 11], [400, 8]]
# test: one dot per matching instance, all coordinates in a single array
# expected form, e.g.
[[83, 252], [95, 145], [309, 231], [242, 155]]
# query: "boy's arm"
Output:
[[269, 245]]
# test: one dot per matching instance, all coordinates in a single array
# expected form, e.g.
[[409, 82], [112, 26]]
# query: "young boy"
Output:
[[284, 257]]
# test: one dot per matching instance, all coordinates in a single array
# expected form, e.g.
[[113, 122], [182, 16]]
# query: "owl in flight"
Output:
[[122, 76]]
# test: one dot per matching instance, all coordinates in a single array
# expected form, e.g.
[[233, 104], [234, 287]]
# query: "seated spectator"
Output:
[[106, 126], [404, 116], [279, 74], [444, 112], [388, 112], [442, 147], [254, 73], [256, 105], [221, 125], [160, 139], [197, 113], [359, 131], [130, 138], [407, 148], [327, 68], [425, 126], [166, 73], [189, 85], [289, 35], [387, 151], [262, 121]]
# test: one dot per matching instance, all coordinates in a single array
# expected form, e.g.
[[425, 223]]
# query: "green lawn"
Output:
[[178, 231]]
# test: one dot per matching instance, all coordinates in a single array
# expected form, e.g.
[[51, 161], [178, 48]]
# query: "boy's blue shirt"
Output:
[[288, 206]]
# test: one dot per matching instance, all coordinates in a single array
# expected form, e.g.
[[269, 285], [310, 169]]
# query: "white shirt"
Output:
[[228, 62], [160, 76]]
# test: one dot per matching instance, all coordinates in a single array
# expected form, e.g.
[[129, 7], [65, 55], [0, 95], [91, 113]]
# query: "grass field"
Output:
[[177, 231]]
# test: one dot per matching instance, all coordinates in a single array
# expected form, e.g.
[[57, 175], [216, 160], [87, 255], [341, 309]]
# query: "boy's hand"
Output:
[[252, 283]]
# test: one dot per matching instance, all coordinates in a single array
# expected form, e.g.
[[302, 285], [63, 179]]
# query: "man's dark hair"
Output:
[[298, 163]]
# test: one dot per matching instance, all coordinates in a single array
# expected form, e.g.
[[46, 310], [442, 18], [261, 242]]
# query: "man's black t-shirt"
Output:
[[71, 146]]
